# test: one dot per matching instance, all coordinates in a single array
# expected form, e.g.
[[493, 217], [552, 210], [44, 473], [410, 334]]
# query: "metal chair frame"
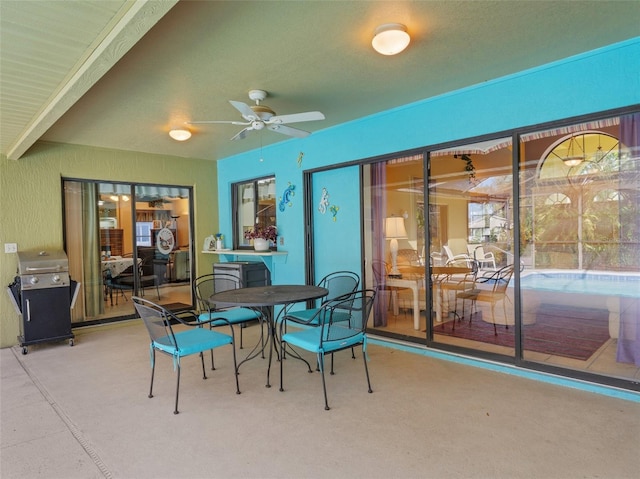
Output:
[[158, 322]]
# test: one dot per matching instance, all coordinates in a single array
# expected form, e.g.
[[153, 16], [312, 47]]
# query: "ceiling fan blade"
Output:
[[295, 118], [228, 122], [244, 109], [287, 130], [241, 134]]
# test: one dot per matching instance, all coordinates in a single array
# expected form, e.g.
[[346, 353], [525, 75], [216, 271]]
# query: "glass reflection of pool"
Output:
[[600, 283]]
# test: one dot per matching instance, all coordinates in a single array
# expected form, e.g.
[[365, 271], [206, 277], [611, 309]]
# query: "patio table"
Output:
[[264, 298]]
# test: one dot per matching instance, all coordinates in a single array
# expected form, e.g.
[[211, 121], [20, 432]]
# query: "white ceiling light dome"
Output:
[[390, 39], [180, 134]]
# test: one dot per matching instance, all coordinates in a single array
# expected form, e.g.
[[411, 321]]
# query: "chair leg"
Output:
[[177, 388], [493, 318], [158, 291], [235, 366], [283, 346], [332, 373], [204, 374], [153, 370], [366, 370], [213, 367], [324, 384]]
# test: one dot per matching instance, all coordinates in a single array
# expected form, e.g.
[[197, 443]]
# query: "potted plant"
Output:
[[262, 236]]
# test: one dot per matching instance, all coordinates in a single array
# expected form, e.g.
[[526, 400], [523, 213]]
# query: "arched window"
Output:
[[584, 153]]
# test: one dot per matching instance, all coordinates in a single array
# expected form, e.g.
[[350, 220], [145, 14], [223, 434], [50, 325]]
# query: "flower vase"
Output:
[[260, 244]]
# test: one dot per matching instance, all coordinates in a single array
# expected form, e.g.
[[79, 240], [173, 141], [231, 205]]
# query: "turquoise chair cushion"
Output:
[[192, 341], [309, 339], [234, 316]]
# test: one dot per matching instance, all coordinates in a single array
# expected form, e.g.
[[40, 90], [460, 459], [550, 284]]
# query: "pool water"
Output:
[[583, 283]]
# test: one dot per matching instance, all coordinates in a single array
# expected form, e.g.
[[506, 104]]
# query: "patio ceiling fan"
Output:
[[259, 116]]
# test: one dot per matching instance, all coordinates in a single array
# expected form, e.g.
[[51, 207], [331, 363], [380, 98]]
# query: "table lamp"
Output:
[[394, 230]]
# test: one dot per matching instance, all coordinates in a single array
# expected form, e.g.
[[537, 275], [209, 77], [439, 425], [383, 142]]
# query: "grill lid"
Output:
[[34, 262]]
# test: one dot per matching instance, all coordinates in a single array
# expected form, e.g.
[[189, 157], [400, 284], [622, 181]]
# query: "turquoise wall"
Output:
[[595, 81]]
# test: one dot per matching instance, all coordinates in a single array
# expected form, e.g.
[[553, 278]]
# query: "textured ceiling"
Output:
[[119, 74]]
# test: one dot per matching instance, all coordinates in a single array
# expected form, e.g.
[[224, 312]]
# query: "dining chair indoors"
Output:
[[194, 340], [146, 277], [389, 294], [208, 284], [333, 336], [491, 289], [112, 283]]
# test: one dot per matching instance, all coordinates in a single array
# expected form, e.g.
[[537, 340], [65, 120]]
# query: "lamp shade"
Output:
[[180, 134], [394, 227], [390, 39]]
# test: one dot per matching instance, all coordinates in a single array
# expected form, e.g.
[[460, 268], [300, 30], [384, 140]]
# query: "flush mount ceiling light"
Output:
[[390, 39], [180, 134]]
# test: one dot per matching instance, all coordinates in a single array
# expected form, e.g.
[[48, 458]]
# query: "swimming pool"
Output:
[[584, 289], [583, 282]]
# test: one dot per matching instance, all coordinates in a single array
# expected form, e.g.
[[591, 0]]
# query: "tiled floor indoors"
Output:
[[603, 360], [83, 412]]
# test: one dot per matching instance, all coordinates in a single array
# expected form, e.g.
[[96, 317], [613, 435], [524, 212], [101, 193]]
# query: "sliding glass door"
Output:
[[580, 243], [123, 240], [471, 246]]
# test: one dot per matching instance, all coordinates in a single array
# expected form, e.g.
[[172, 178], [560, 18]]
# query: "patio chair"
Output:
[[206, 285], [491, 289], [195, 340], [333, 335], [458, 259], [339, 283]]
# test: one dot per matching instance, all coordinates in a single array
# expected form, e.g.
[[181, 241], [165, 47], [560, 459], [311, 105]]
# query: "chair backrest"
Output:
[[408, 256], [339, 283], [380, 270], [448, 252], [358, 305], [146, 267], [457, 245], [500, 279], [206, 285], [156, 320]]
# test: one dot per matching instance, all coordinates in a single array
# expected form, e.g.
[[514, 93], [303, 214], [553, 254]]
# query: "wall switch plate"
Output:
[[11, 247], [281, 240]]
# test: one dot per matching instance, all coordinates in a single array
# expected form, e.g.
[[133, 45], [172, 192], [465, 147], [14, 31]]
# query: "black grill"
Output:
[[43, 294]]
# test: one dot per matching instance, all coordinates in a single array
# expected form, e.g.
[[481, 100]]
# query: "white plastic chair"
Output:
[[482, 257]]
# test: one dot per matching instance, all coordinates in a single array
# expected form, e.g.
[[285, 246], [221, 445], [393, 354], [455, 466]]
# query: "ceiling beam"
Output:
[[134, 23]]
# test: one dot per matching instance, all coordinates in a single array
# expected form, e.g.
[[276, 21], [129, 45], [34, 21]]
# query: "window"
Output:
[[255, 205]]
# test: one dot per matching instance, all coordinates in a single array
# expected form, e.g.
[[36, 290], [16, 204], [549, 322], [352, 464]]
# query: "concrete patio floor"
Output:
[[83, 412]]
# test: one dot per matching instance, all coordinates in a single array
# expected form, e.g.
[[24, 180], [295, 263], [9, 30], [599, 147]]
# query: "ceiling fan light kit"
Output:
[[390, 39], [180, 134], [257, 117]]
